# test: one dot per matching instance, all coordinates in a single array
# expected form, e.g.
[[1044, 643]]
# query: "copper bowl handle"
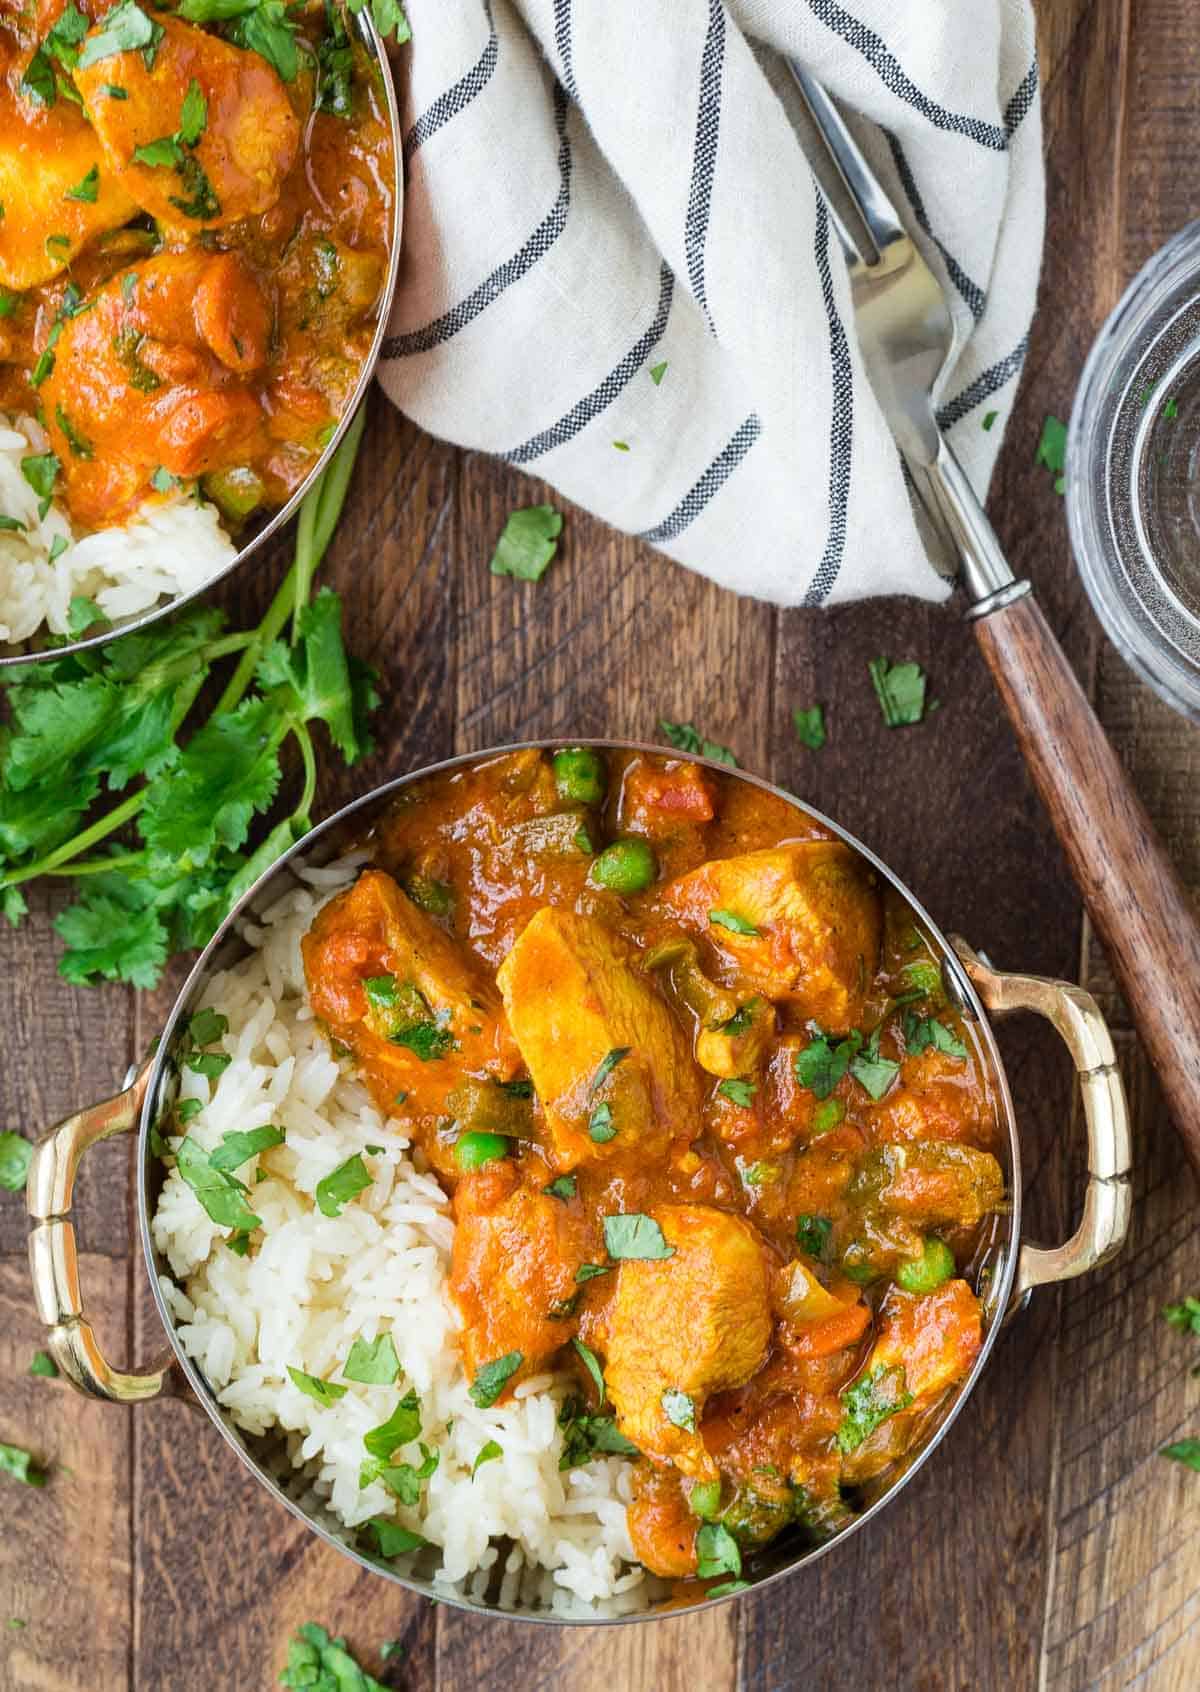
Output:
[[53, 1259], [1108, 1200]]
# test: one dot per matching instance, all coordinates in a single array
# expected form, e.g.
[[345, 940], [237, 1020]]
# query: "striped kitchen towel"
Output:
[[618, 274]]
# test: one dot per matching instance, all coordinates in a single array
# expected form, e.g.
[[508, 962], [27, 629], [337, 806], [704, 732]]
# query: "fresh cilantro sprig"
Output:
[[157, 871], [1184, 1316]]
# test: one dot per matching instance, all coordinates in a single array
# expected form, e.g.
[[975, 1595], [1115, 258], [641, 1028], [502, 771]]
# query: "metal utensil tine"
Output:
[[857, 177]]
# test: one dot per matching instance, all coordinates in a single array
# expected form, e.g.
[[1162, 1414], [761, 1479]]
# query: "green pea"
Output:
[[922, 1274], [472, 1151], [627, 866], [704, 1500], [579, 775]]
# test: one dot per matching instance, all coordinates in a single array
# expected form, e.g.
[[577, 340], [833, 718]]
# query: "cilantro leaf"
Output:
[[820, 1066], [312, 1386], [321, 1664], [44, 1365], [592, 1364], [1185, 1315], [1052, 450], [401, 1428], [374, 1362], [635, 1236], [239, 1147], [873, 1072], [393, 1540], [487, 1454], [317, 672], [738, 1092], [16, 1154], [1185, 1451], [732, 921], [20, 1464], [812, 1234], [527, 543], [685, 738], [562, 1187], [922, 1032], [493, 1377], [657, 372], [113, 932], [87, 188], [869, 1402], [900, 689], [121, 30], [225, 774], [83, 614], [717, 1551], [341, 1185], [193, 115], [222, 1195], [680, 1409], [608, 1063], [809, 723]]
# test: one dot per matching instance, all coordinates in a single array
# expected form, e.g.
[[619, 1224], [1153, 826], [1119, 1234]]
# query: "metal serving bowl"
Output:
[[28, 652], [1005, 1269]]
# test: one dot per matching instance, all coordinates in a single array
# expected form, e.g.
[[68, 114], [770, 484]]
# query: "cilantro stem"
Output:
[[97, 866], [107, 824], [308, 754]]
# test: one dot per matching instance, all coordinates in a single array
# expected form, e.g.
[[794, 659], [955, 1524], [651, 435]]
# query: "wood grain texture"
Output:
[[1046, 1547], [65, 1569], [1134, 897]]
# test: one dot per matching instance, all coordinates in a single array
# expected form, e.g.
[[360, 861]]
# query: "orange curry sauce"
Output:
[[783, 1305], [193, 249]]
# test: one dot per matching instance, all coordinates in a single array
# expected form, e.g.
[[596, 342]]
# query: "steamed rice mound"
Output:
[[173, 545], [311, 1285]]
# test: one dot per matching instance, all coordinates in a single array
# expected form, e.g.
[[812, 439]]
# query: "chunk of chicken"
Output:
[[938, 1098], [661, 1526], [516, 1250], [817, 921], [693, 1324], [154, 373], [47, 155], [574, 996], [435, 1015], [925, 1343], [934, 1183], [249, 140]]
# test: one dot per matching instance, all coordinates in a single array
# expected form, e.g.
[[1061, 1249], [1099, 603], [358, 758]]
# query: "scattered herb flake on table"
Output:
[[657, 372], [989, 418], [1186, 1451], [686, 738], [527, 543], [16, 1154], [44, 1365], [320, 1663], [1052, 450], [809, 724], [900, 689], [20, 1464]]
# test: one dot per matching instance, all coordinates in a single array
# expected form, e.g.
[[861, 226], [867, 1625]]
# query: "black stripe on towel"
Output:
[[562, 40], [841, 424], [893, 76], [536, 247], [984, 385], [457, 98], [704, 153], [713, 479], [971, 292], [594, 403], [1022, 100]]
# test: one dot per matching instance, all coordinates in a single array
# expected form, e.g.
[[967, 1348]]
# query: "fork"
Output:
[[1133, 895]]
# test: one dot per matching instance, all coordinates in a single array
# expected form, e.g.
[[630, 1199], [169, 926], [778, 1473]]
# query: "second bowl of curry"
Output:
[[581, 1181]]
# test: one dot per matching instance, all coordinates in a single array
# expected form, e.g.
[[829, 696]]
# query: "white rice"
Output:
[[171, 546], [312, 1285]]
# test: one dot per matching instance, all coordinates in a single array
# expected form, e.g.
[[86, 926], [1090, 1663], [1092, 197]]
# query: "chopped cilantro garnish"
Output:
[[685, 738], [312, 1386], [812, 1234], [827, 1116], [1184, 1315], [121, 30], [600, 1124], [43, 1364], [239, 1147], [921, 1032], [425, 1039], [869, 1402], [393, 1540], [79, 445], [608, 1063], [989, 418], [809, 724], [633, 1235], [738, 1092], [373, 1362], [900, 689], [590, 1271], [732, 921], [401, 1428], [1052, 450], [1186, 1451], [820, 1066], [193, 115], [487, 1454], [40, 469], [873, 1072], [341, 1185], [716, 1551], [592, 1364], [88, 188], [562, 1187], [679, 1409], [493, 1377], [222, 1195], [321, 1664]]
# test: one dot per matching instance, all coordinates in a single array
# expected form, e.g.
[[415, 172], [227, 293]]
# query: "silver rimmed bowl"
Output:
[[1005, 1269]]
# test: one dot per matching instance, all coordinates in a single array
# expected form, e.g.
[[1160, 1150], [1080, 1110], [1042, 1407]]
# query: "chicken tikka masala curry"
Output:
[[717, 1141], [195, 205]]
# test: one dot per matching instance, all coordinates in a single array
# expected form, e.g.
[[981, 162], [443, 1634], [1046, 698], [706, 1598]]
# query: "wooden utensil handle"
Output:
[[1134, 896]]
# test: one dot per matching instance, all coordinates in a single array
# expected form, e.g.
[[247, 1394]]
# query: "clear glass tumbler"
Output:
[[1133, 473]]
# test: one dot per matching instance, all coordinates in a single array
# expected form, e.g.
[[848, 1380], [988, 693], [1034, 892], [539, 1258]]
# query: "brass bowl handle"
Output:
[[1108, 1200], [53, 1259]]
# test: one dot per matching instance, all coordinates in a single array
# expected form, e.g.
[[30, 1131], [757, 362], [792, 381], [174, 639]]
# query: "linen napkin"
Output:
[[617, 271]]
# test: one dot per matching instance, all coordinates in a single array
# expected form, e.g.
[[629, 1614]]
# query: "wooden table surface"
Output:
[[1047, 1545]]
